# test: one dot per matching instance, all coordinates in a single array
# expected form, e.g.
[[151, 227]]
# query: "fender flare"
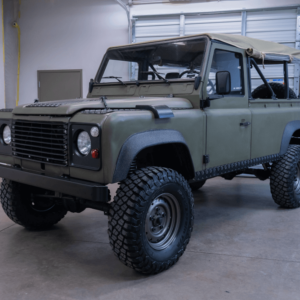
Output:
[[139, 141], [288, 132]]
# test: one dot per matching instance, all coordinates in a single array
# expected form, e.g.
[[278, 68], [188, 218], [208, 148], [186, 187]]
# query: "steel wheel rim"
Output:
[[163, 221], [297, 180]]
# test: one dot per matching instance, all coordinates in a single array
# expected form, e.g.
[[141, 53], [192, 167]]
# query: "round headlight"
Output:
[[7, 135], [84, 143]]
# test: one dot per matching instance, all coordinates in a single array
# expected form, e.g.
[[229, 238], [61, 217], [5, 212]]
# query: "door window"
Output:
[[227, 61]]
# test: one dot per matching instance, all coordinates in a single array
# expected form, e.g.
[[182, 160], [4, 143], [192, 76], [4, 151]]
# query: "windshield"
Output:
[[162, 61]]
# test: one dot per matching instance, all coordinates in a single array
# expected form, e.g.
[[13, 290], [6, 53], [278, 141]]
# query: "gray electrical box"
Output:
[[59, 84]]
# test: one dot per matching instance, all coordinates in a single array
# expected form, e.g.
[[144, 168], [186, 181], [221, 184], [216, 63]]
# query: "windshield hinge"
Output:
[[206, 159], [103, 98]]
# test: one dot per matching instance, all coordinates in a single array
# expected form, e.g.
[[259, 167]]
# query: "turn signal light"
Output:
[[95, 153]]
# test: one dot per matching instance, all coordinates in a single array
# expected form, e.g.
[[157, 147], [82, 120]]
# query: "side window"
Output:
[[227, 61], [274, 74]]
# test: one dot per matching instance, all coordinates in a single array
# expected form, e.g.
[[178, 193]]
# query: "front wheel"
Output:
[[285, 179], [151, 219]]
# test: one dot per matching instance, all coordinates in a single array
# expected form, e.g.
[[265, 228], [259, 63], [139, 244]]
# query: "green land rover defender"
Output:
[[160, 119]]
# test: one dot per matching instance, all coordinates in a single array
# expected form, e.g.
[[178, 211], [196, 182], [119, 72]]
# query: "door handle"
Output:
[[245, 124]]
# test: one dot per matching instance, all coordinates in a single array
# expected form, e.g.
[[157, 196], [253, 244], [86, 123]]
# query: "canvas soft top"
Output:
[[261, 50]]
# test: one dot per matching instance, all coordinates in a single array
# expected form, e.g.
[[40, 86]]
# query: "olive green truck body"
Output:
[[215, 131]]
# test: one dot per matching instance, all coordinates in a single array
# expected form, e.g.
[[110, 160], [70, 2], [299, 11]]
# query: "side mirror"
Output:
[[223, 82], [197, 82]]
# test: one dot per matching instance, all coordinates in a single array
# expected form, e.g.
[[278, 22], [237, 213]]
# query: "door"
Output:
[[228, 132], [59, 85]]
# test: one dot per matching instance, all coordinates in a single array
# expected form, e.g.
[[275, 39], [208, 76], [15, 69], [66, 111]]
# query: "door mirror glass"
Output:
[[223, 83]]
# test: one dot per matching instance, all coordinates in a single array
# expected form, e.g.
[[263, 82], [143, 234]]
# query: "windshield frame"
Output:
[[105, 60]]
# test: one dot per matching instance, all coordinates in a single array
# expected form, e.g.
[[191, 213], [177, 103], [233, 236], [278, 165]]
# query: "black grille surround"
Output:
[[45, 142]]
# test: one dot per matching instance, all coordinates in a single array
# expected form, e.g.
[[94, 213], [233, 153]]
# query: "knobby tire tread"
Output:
[[124, 218]]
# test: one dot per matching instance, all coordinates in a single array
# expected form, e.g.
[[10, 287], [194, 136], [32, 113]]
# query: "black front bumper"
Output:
[[73, 187]]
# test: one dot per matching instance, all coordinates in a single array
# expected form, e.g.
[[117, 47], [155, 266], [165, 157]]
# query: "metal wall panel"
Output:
[[218, 23], [273, 25], [151, 28]]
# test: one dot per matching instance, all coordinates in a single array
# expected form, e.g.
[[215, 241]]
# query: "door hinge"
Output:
[[205, 159]]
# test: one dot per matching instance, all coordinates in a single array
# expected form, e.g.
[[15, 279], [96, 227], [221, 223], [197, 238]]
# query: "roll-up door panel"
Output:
[[273, 25], [218, 23], [151, 28]]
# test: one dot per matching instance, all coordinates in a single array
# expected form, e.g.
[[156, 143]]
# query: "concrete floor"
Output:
[[243, 247]]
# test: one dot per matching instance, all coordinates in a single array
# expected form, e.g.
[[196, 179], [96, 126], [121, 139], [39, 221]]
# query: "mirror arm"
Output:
[[206, 103]]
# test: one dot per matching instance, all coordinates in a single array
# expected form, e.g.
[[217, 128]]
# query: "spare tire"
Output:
[[262, 91]]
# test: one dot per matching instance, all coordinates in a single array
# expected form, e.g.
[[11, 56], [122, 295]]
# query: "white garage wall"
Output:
[[2, 88], [67, 34]]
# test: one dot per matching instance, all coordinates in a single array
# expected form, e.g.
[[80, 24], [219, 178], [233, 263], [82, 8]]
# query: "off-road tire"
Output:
[[195, 186], [262, 91], [285, 179], [127, 219], [15, 200]]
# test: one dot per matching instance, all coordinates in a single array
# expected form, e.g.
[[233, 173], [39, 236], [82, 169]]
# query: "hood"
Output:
[[69, 107]]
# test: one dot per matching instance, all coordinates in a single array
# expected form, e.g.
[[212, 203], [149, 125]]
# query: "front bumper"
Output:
[[73, 187]]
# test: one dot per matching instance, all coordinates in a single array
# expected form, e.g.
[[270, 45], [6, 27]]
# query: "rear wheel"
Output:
[[285, 179], [22, 205], [151, 219]]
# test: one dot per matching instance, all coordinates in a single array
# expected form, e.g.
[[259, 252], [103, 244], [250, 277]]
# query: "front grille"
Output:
[[40, 141]]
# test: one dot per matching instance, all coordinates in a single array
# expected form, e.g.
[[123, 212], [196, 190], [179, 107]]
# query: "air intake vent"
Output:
[[40, 141]]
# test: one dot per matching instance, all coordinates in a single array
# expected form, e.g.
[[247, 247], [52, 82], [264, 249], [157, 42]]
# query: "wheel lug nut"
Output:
[[163, 214]]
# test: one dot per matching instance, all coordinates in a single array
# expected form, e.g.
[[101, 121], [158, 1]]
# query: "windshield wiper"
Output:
[[157, 74], [114, 77]]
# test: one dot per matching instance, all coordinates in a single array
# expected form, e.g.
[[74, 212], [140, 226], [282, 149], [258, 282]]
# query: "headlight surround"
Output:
[[84, 143], [7, 135]]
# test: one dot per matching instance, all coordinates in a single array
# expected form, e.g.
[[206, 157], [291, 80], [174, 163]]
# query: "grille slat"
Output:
[[42, 128], [38, 137], [40, 141], [37, 151], [17, 131], [43, 142], [37, 157], [60, 147]]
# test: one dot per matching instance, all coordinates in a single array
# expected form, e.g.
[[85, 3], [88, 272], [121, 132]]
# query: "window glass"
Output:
[[172, 61], [227, 61], [118, 68], [274, 74]]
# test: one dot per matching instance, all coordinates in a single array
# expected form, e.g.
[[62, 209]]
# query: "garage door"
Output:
[[279, 26]]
